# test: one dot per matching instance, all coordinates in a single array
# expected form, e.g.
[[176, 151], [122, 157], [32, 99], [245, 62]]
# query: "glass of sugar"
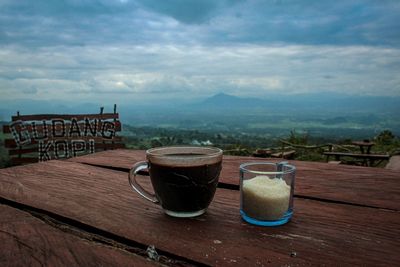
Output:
[[266, 192]]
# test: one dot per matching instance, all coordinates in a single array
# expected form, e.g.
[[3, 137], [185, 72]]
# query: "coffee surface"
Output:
[[185, 155], [185, 189]]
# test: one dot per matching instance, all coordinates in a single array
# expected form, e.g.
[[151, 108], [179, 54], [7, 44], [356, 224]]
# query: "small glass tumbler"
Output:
[[266, 192]]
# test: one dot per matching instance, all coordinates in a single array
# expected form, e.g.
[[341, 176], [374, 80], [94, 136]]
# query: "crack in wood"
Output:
[[342, 202], [98, 236], [120, 169]]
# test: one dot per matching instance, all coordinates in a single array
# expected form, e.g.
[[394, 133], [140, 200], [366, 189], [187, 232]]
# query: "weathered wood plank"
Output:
[[28, 241], [359, 156], [108, 145], [25, 160], [10, 143], [319, 234], [35, 149], [344, 183], [394, 163], [284, 155], [21, 151], [39, 127], [40, 117], [121, 158]]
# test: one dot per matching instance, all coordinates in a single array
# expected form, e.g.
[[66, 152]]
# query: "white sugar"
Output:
[[265, 198]]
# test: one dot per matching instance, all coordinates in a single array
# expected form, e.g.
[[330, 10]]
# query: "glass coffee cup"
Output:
[[184, 179]]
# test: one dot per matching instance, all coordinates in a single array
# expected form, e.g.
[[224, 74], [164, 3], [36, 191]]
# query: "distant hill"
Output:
[[223, 100], [318, 105], [316, 102]]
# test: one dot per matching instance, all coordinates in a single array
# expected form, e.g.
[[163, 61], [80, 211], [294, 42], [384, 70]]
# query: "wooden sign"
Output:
[[54, 136]]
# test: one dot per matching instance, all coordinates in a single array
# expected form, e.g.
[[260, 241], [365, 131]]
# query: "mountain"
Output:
[[316, 102], [293, 104], [223, 100]]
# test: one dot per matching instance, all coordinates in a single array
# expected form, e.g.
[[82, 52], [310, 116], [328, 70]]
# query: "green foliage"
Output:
[[298, 138], [387, 142], [386, 137], [244, 144], [236, 142]]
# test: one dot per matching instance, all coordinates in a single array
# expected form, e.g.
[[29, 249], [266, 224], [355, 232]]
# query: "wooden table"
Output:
[[364, 144], [82, 212], [365, 157]]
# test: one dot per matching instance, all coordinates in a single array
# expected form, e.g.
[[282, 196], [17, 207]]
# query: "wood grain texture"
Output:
[[24, 160], [35, 149], [319, 234], [394, 163], [28, 241], [10, 143], [40, 117], [344, 183], [40, 127], [355, 155]]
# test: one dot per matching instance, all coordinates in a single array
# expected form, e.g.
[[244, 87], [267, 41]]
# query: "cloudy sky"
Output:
[[135, 50]]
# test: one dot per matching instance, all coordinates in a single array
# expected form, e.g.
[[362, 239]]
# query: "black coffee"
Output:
[[185, 189]]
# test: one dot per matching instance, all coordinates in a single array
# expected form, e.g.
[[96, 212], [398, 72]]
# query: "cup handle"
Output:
[[135, 185]]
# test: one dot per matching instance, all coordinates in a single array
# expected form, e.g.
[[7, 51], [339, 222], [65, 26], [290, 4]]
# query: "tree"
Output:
[[386, 137]]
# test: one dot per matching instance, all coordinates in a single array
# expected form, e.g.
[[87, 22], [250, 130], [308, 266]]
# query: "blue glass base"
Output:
[[281, 221]]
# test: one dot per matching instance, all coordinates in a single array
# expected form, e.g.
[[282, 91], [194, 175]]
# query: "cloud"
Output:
[[77, 23], [123, 50], [311, 22], [104, 72], [30, 90], [188, 11]]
